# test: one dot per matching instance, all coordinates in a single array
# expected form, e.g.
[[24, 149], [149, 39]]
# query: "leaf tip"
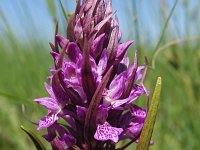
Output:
[[159, 80]]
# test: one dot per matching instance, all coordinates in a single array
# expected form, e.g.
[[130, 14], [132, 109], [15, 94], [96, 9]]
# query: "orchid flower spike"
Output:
[[92, 88]]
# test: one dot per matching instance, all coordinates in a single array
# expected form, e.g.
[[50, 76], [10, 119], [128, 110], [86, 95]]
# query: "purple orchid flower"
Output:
[[92, 90]]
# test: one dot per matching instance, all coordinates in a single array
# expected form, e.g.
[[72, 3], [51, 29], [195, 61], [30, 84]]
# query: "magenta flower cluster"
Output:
[[92, 87]]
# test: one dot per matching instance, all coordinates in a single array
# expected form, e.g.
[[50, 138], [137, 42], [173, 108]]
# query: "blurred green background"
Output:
[[168, 33]]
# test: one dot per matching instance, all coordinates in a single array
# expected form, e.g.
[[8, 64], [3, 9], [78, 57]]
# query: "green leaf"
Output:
[[38, 144], [147, 130]]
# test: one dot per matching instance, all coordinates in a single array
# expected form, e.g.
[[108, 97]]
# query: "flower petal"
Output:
[[81, 112], [78, 30], [73, 52], [102, 114], [122, 49], [137, 91], [106, 132], [60, 94], [61, 40], [49, 90], [70, 74], [132, 132], [112, 45], [49, 103], [97, 46], [47, 121], [58, 143], [102, 63], [137, 112], [125, 61], [138, 72], [116, 91], [69, 140], [126, 118], [99, 12], [135, 128]]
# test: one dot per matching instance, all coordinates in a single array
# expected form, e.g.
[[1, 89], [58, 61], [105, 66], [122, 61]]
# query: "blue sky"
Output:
[[29, 18]]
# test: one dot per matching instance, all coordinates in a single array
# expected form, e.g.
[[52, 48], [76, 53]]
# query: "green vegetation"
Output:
[[25, 66]]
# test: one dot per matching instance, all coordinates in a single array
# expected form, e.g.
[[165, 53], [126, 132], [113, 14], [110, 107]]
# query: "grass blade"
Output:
[[147, 130], [13, 97], [52, 8], [38, 144], [172, 43], [165, 25], [63, 10]]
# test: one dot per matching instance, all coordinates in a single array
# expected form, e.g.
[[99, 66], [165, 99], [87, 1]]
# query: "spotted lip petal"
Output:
[[107, 132], [47, 121]]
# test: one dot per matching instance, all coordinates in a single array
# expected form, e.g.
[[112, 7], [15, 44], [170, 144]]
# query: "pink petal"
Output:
[[61, 40], [138, 112], [107, 132], [49, 90], [97, 45], [139, 72], [81, 112], [116, 91], [47, 121], [102, 63], [135, 128], [137, 91], [47, 102], [73, 52], [78, 30], [122, 49]]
